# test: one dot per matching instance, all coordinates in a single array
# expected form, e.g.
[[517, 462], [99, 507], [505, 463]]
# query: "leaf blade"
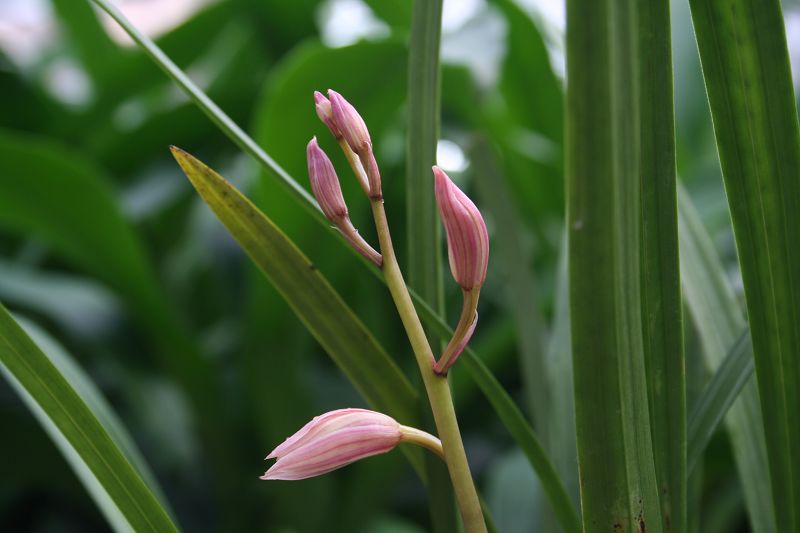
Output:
[[605, 102], [746, 67], [719, 321], [317, 304], [49, 389]]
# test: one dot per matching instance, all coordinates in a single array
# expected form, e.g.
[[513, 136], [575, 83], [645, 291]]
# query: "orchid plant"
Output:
[[338, 438], [620, 409]]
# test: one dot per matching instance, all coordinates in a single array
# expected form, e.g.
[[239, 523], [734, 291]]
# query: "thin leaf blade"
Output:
[[719, 322], [317, 304], [48, 388], [718, 397]]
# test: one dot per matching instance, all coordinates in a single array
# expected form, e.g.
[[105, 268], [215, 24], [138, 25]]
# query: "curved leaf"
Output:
[[309, 294], [126, 499], [718, 397]]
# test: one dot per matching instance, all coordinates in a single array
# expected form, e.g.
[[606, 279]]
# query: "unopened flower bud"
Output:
[[325, 113], [328, 192], [354, 137], [325, 182], [341, 437], [467, 238], [349, 123], [331, 441]]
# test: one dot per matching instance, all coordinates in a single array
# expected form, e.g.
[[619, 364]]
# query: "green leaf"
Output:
[[98, 405], [396, 13], [63, 200], [748, 78], [609, 100], [718, 397], [719, 323], [128, 502], [661, 288], [424, 108], [309, 294], [423, 229]]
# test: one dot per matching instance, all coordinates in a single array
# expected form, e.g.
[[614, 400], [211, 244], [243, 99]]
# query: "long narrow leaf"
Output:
[[309, 294], [604, 106], [661, 287], [718, 397], [719, 322], [129, 501], [97, 404], [424, 87], [748, 78]]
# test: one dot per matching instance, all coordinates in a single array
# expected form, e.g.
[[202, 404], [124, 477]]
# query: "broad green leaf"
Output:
[[126, 499], [748, 78], [396, 13], [423, 228], [720, 323], [609, 100], [505, 407], [720, 393], [527, 125], [309, 294], [660, 270], [64, 201]]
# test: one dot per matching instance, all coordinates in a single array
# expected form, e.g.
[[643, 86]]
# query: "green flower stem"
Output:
[[421, 438], [468, 311], [436, 386]]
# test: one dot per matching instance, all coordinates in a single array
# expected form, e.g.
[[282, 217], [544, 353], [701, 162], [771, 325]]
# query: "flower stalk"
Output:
[[436, 385]]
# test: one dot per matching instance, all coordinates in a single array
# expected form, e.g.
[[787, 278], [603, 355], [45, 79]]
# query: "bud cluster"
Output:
[[349, 129], [341, 437]]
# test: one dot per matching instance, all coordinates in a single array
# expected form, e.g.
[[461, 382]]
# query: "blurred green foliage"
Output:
[[107, 248]]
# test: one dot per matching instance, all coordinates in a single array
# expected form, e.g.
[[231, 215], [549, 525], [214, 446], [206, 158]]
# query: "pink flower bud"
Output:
[[325, 113], [467, 238], [325, 182], [349, 123], [328, 192], [333, 440]]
